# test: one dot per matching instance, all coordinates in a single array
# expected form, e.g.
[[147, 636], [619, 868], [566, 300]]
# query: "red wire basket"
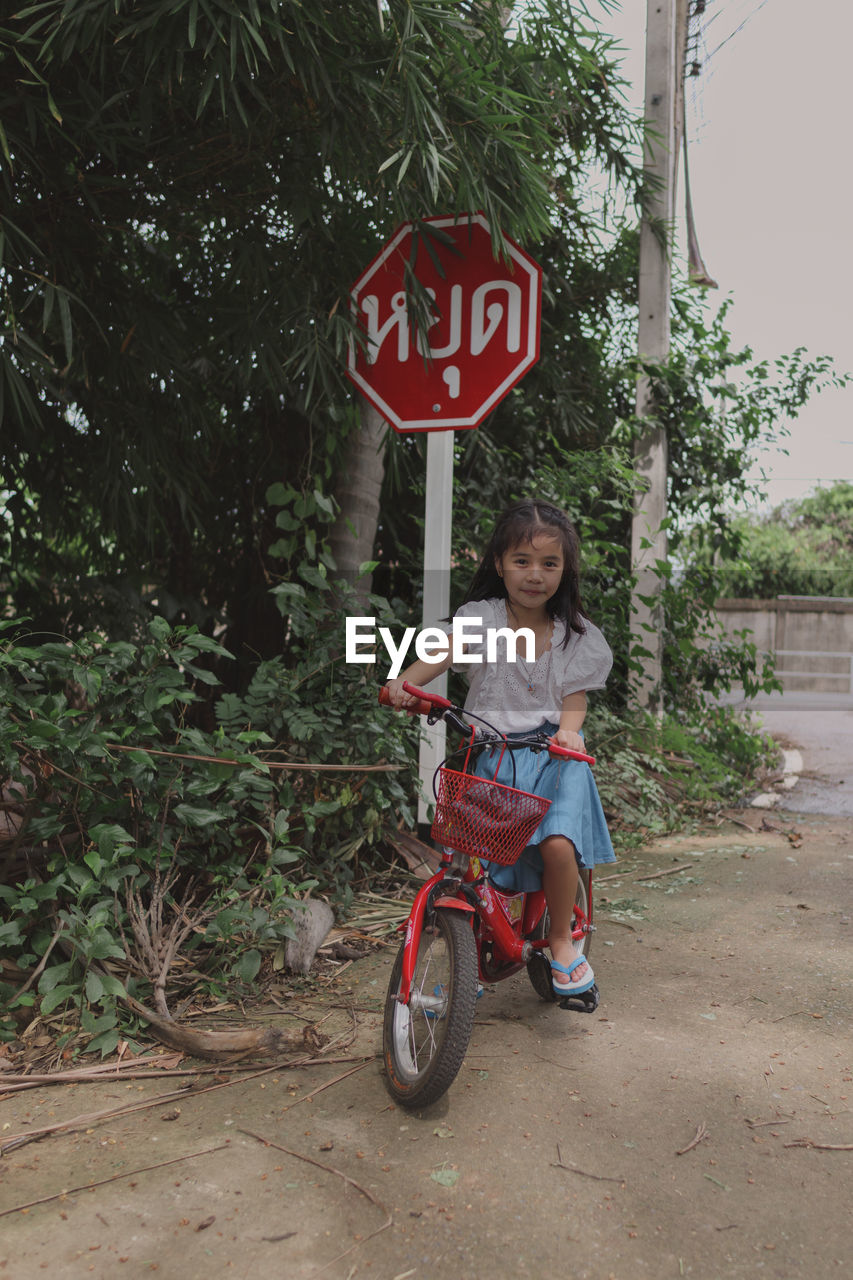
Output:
[[485, 819]]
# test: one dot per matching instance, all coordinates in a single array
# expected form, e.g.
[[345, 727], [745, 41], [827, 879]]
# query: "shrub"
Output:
[[136, 797]]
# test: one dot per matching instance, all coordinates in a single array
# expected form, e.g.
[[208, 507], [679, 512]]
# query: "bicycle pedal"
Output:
[[586, 1002]]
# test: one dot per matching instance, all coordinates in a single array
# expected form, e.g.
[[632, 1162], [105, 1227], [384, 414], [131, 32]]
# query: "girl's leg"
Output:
[[560, 882]]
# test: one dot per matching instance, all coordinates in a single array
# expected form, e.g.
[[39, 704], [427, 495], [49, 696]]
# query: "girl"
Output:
[[528, 578]]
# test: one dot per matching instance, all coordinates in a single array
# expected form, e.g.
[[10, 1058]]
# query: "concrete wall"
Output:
[[811, 636]]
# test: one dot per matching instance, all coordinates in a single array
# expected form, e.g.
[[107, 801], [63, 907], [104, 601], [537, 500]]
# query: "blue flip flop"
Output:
[[572, 988]]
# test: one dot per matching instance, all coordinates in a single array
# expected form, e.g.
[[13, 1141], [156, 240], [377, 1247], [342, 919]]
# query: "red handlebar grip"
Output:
[[434, 699], [421, 708], [566, 754]]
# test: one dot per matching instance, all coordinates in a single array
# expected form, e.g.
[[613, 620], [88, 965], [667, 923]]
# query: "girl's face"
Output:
[[532, 570]]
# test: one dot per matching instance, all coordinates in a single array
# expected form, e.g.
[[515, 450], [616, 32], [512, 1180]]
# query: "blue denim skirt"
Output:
[[575, 811]]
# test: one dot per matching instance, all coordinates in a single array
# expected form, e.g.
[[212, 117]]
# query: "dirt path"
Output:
[[726, 1010]]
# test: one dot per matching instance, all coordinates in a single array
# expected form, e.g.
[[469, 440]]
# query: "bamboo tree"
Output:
[[190, 189]]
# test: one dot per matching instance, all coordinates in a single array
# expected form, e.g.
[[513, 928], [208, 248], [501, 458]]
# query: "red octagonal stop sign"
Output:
[[484, 338]]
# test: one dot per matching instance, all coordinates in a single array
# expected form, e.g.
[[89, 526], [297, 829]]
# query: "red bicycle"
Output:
[[462, 930]]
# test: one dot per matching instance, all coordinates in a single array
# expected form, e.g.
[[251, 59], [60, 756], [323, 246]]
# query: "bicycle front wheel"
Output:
[[425, 1040]]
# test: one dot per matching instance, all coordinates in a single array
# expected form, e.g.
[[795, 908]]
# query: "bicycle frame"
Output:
[[488, 907]]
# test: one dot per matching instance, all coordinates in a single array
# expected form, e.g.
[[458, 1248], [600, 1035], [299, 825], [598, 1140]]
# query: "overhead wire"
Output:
[[738, 28], [699, 64]]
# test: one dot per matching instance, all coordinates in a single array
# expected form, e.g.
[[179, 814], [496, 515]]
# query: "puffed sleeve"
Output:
[[587, 661], [480, 616]]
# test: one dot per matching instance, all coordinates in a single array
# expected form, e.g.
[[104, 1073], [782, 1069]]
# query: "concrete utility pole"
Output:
[[666, 26]]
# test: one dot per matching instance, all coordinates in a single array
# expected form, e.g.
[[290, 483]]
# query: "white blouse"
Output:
[[520, 695]]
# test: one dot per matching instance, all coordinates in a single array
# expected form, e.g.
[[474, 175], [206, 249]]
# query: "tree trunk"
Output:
[[357, 492]]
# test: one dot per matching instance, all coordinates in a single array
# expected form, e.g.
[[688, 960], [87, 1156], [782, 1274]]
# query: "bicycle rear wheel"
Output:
[[425, 1040]]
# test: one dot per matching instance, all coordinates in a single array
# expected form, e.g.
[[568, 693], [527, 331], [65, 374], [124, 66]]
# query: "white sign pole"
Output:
[[438, 519]]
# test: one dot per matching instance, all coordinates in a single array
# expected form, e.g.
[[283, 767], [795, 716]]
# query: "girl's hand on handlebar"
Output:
[[397, 695], [569, 739]]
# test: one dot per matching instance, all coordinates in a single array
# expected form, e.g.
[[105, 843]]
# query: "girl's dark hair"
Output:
[[522, 522]]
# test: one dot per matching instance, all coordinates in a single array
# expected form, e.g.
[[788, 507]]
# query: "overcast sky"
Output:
[[769, 128]]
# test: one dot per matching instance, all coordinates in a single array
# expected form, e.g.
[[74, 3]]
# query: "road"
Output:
[[821, 727], [699, 1124]]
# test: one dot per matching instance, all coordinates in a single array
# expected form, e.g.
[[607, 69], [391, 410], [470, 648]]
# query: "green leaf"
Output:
[[315, 576], [192, 23], [53, 976], [43, 729], [94, 1022], [103, 948], [93, 861], [105, 1043], [285, 857], [284, 520], [4, 144], [94, 988], [65, 320], [279, 495], [53, 108], [112, 986], [59, 995], [248, 965], [290, 589], [324, 504], [155, 697], [193, 816], [386, 164], [10, 934], [109, 837], [282, 548], [322, 808]]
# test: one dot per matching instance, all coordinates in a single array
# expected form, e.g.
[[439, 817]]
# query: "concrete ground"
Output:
[[823, 732], [699, 1124]]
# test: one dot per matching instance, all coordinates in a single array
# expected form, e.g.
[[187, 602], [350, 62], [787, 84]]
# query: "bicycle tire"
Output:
[[425, 1041], [538, 968]]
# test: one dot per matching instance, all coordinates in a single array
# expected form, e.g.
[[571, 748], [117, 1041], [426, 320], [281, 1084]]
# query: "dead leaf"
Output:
[[421, 859]]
